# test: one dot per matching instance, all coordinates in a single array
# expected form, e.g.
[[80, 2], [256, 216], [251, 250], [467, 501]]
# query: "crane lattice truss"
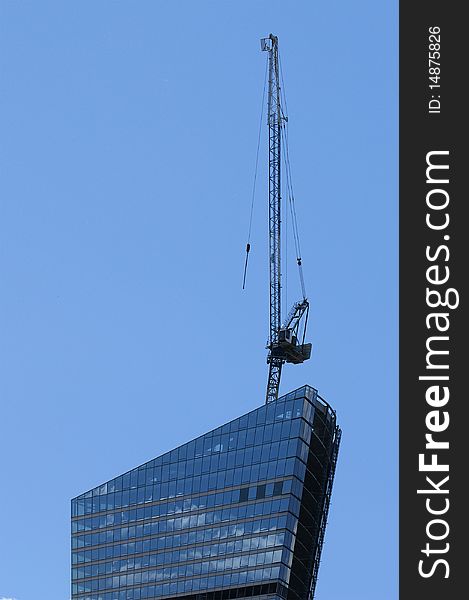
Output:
[[274, 125], [283, 339]]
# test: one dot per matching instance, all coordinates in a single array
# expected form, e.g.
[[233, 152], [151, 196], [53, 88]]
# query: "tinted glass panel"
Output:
[[236, 509]]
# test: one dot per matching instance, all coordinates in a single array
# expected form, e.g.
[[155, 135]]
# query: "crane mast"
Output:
[[274, 117], [283, 339]]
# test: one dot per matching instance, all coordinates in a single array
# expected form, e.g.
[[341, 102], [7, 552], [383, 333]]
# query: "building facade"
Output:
[[237, 512]]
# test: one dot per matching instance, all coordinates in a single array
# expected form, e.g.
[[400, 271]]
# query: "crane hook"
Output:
[[248, 249]]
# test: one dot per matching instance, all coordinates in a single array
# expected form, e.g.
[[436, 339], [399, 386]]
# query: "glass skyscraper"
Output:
[[238, 512]]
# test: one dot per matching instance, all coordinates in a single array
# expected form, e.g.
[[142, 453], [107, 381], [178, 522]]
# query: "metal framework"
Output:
[[280, 350], [327, 501], [270, 45]]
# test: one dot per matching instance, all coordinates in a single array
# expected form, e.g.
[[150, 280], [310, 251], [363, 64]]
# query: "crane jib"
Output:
[[284, 340]]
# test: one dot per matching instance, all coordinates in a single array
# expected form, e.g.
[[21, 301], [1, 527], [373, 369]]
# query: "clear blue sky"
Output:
[[128, 134]]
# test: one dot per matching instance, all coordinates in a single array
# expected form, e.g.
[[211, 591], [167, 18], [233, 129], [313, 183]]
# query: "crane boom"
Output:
[[270, 45], [283, 340]]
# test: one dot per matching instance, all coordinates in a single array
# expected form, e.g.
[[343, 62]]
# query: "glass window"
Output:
[[194, 517]]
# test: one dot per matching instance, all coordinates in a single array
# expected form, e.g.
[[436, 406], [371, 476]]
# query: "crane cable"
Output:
[[296, 233], [289, 185], [248, 244]]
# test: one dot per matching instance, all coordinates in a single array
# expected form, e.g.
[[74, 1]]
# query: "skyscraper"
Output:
[[237, 512]]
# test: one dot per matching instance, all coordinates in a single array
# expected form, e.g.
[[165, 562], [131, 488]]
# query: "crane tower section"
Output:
[[283, 344]]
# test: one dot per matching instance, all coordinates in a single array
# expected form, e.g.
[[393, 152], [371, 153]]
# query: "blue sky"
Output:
[[128, 138]]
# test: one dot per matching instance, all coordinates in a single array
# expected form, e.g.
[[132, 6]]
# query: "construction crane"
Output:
[[284, 342]]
